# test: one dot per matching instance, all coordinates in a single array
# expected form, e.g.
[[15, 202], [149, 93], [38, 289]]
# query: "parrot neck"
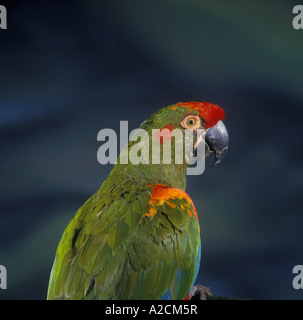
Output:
[[173, 175], [144, 171]]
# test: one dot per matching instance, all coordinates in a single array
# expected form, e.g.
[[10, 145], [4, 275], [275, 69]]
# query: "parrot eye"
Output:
[[191, 122]]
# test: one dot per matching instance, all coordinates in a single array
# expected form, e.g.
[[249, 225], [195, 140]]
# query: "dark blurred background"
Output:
[[71, 68]]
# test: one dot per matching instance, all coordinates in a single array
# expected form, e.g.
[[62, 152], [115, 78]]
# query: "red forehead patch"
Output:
[[211, 113]]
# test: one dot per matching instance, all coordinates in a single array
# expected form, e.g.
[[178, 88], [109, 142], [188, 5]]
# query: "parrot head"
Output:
[[204, 122], [196, 117]]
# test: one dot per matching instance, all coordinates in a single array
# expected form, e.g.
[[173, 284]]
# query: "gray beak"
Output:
[[216, 139]]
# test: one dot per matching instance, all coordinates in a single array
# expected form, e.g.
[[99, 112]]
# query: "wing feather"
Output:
[[121, 251]]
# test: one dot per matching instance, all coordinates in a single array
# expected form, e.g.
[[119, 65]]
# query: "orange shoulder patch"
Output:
[[163, 195]]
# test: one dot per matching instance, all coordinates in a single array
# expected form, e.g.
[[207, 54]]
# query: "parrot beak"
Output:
[[216, 141]]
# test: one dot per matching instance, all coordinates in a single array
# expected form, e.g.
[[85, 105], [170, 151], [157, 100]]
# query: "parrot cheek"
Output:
[[198, 150]]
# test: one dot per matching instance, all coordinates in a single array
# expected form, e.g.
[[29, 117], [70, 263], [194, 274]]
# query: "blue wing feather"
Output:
[[178, 281]]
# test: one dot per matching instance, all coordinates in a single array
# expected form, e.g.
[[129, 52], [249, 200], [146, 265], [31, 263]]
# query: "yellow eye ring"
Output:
[[191, 122]]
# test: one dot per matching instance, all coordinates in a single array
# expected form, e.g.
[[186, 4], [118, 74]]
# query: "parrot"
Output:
[[138, 236]]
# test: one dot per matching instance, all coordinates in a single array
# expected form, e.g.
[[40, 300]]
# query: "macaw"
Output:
[[138, 236]]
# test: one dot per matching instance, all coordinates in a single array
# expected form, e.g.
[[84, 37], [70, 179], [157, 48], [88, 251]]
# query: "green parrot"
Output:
[[138, 236]]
